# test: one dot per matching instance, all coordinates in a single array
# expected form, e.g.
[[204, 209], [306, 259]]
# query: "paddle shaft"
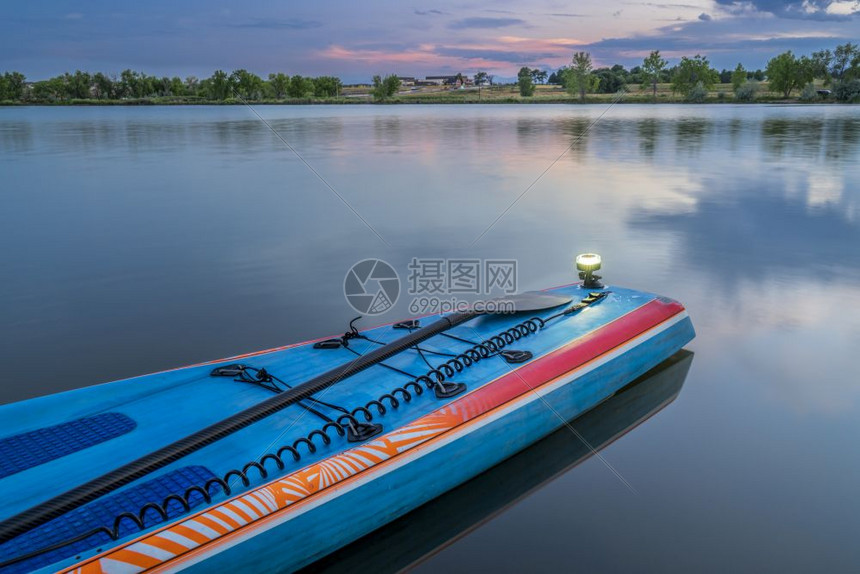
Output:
[[89, 491]]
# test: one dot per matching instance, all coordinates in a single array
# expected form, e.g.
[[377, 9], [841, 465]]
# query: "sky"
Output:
[[355, 40]]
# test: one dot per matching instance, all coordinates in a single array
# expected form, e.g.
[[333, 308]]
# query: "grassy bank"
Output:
[[504, 94], [721, 93]]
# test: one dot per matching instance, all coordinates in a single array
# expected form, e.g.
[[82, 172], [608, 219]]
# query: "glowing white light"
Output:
[[588, 262]]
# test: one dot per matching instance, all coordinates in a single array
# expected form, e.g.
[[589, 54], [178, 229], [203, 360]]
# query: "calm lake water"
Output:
[[140, 239]]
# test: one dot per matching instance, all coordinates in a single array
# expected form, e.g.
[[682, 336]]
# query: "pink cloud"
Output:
[[502, 55]]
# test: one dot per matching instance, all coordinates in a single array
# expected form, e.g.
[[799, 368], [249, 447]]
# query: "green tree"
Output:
[[698, 94], [103, 86], [177, 86], [148, 86], [481, 78], [300, 87], [525, 82], [847, 90], [747, 91], [785, 73], [49, 90], [129, 84], [192, 85], [539, 76], [690, 72], [739, 77], [652, 70], [248, 85], [280, 83], [821, 61], [843, 57], [12, 86], [162, 86], [385, 88], [219, 86], [578, 77], [78, 85], [327, 86], [609, 80]]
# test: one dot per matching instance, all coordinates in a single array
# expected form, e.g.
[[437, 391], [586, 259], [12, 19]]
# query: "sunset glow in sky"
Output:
[[355, 40]]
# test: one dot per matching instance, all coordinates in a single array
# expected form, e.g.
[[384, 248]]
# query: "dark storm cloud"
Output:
[[705, 17], [485, 23]]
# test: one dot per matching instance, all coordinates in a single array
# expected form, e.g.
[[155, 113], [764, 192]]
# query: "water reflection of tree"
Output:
[[387, 131], [736, 129], [648, 130], [690, 133], [16, 136], [576, 134], [834, 139]]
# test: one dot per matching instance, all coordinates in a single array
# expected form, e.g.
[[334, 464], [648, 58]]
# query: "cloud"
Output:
[[567, 15], [485, 23], [511, 57], [705, 17], [278, 24], [752, 40], [429, 13], [501, 53], [794, 9], [664, 6], [690, 44]]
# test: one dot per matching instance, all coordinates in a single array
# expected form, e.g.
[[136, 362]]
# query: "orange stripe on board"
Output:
[[262, 503], [135, 558], [225, 517], [166, 545], [206, 521], [189, 533], [240, 511]]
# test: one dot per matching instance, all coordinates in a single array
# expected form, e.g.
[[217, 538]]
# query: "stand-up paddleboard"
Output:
[[271, 460]]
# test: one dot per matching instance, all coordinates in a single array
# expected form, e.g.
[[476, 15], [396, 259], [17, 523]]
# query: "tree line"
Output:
[[221, 86], [694, 76]]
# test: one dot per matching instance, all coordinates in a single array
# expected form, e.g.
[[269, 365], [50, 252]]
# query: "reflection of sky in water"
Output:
[[140, 239]]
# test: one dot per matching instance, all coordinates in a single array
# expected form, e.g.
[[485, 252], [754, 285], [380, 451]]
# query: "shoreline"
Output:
[[418, 101]]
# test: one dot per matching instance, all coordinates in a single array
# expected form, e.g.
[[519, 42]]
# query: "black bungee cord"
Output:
[[346, 422]]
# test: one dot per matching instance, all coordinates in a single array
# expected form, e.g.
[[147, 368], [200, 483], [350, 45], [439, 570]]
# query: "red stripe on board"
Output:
[[567, 358]]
